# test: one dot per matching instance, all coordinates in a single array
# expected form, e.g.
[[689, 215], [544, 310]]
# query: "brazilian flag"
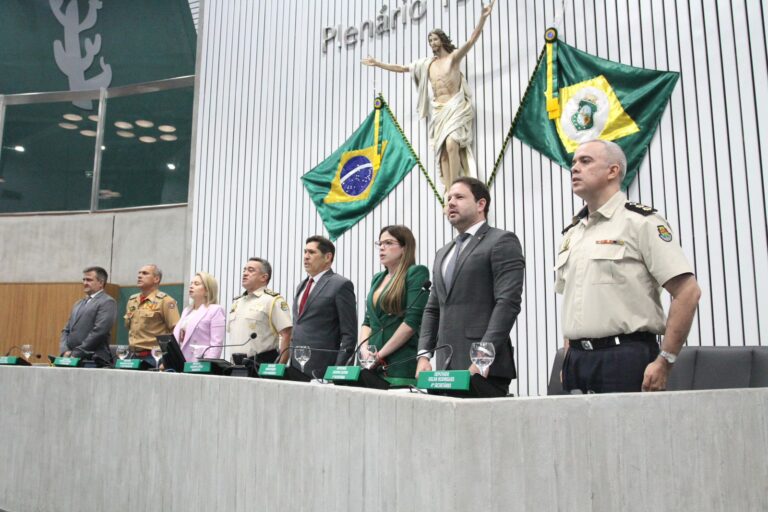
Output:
[[361, 173], [574, 97]]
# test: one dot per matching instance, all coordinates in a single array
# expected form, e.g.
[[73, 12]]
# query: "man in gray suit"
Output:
[[86, 334], [324, 310], [478, 281]]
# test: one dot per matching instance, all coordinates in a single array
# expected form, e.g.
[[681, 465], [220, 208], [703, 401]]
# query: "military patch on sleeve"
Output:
[[283, 305], [639, 208], [172, 305], [664, 233]]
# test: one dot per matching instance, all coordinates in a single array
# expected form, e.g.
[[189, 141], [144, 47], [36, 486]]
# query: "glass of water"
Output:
[[157, 354], [26, 350], [302, 355], [482, 354], [122, 352], [368, 356]]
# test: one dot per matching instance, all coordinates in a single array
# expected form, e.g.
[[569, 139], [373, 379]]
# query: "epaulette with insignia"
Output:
[[582, 213], [160, 295], [236, 297], [134, 296], [273, 293], [639, 208]]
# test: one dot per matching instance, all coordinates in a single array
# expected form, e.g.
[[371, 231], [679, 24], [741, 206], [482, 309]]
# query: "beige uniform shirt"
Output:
[[610, 270], [264, 312], [157, 314]]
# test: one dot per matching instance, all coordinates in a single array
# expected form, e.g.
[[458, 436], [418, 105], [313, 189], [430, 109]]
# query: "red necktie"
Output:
[[305, 296]]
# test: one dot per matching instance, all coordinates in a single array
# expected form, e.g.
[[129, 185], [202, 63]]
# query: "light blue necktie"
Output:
[[450, 270]]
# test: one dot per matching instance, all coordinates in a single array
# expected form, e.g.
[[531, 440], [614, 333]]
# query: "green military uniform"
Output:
[[264, 312], [384, 325], [146, 319]]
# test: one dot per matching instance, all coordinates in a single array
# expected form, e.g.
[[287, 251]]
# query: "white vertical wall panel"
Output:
[[272, 105]]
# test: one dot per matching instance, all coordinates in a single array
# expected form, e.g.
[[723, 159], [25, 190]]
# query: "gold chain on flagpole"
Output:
[[408, 143]]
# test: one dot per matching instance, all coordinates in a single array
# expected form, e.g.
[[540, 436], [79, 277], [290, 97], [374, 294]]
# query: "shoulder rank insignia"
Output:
[[664, 233], [582, 213], [134, 296], [160, 295], [639, 208], [273, 293]]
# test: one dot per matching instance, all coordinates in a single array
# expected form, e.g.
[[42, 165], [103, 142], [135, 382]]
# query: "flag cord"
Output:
[[499, 158], [410, 148]]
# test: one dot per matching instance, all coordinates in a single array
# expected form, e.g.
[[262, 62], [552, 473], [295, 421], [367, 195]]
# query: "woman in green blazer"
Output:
[[395, 303]]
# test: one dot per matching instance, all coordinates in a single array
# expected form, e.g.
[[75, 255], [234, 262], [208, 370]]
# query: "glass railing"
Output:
[[124, 147]]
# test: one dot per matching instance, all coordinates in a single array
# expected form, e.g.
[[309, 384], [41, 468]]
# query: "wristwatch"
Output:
[[671, 358]]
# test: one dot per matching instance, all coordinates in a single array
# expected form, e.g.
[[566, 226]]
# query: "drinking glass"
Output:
[[482, 354], [26, 350], [302, 355], [157, 354], [368, 356], [122, 352]]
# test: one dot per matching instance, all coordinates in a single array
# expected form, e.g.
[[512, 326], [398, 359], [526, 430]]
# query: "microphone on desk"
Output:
[[250, 338], [423, 353], [424, 288]]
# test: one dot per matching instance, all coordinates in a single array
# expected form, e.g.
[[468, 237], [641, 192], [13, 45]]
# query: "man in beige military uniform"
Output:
[[261, 311], [612, 263], [149, 313]]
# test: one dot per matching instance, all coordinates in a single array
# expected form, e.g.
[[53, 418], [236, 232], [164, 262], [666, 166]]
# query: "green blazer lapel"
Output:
[[376, 309]]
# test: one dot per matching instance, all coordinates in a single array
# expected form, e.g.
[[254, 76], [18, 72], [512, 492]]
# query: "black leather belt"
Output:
[[612, 341]]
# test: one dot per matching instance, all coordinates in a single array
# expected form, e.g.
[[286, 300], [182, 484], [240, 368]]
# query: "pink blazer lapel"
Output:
[[195, 316]]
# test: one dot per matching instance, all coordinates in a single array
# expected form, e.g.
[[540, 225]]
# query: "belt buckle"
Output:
[[587, 345]]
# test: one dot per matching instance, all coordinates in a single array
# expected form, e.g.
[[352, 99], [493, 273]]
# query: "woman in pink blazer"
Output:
[[202, 324]]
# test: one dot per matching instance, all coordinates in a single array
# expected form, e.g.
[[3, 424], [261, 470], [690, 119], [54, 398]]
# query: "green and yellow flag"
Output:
[[574, 97], [361, 173]]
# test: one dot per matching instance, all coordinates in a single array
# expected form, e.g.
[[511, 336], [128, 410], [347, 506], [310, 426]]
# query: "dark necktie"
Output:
[[450, 270], [305, 296]]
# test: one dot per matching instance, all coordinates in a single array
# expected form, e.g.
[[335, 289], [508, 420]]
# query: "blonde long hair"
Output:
[[211, 287], [392, 298]]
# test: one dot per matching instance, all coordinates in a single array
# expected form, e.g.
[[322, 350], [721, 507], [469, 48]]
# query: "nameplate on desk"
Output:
[[457, 380], [67, 362], [129, 364], [346, 373], [14, 360], [198, 367], [272, 370]]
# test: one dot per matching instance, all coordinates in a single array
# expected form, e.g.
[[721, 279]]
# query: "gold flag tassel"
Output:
[[553, 99]]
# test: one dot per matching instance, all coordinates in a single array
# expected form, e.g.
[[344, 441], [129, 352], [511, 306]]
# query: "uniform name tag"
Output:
[[609, 242]]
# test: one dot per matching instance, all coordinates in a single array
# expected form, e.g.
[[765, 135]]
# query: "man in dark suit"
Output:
[[86, 334], [324, 310], [478, 281]]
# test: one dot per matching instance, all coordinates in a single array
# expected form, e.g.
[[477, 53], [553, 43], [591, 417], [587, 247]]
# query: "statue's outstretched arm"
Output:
[[396, 68], [459, 54]]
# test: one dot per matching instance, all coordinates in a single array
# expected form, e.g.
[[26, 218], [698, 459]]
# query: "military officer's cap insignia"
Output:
[[664, 233], [639, 208]]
